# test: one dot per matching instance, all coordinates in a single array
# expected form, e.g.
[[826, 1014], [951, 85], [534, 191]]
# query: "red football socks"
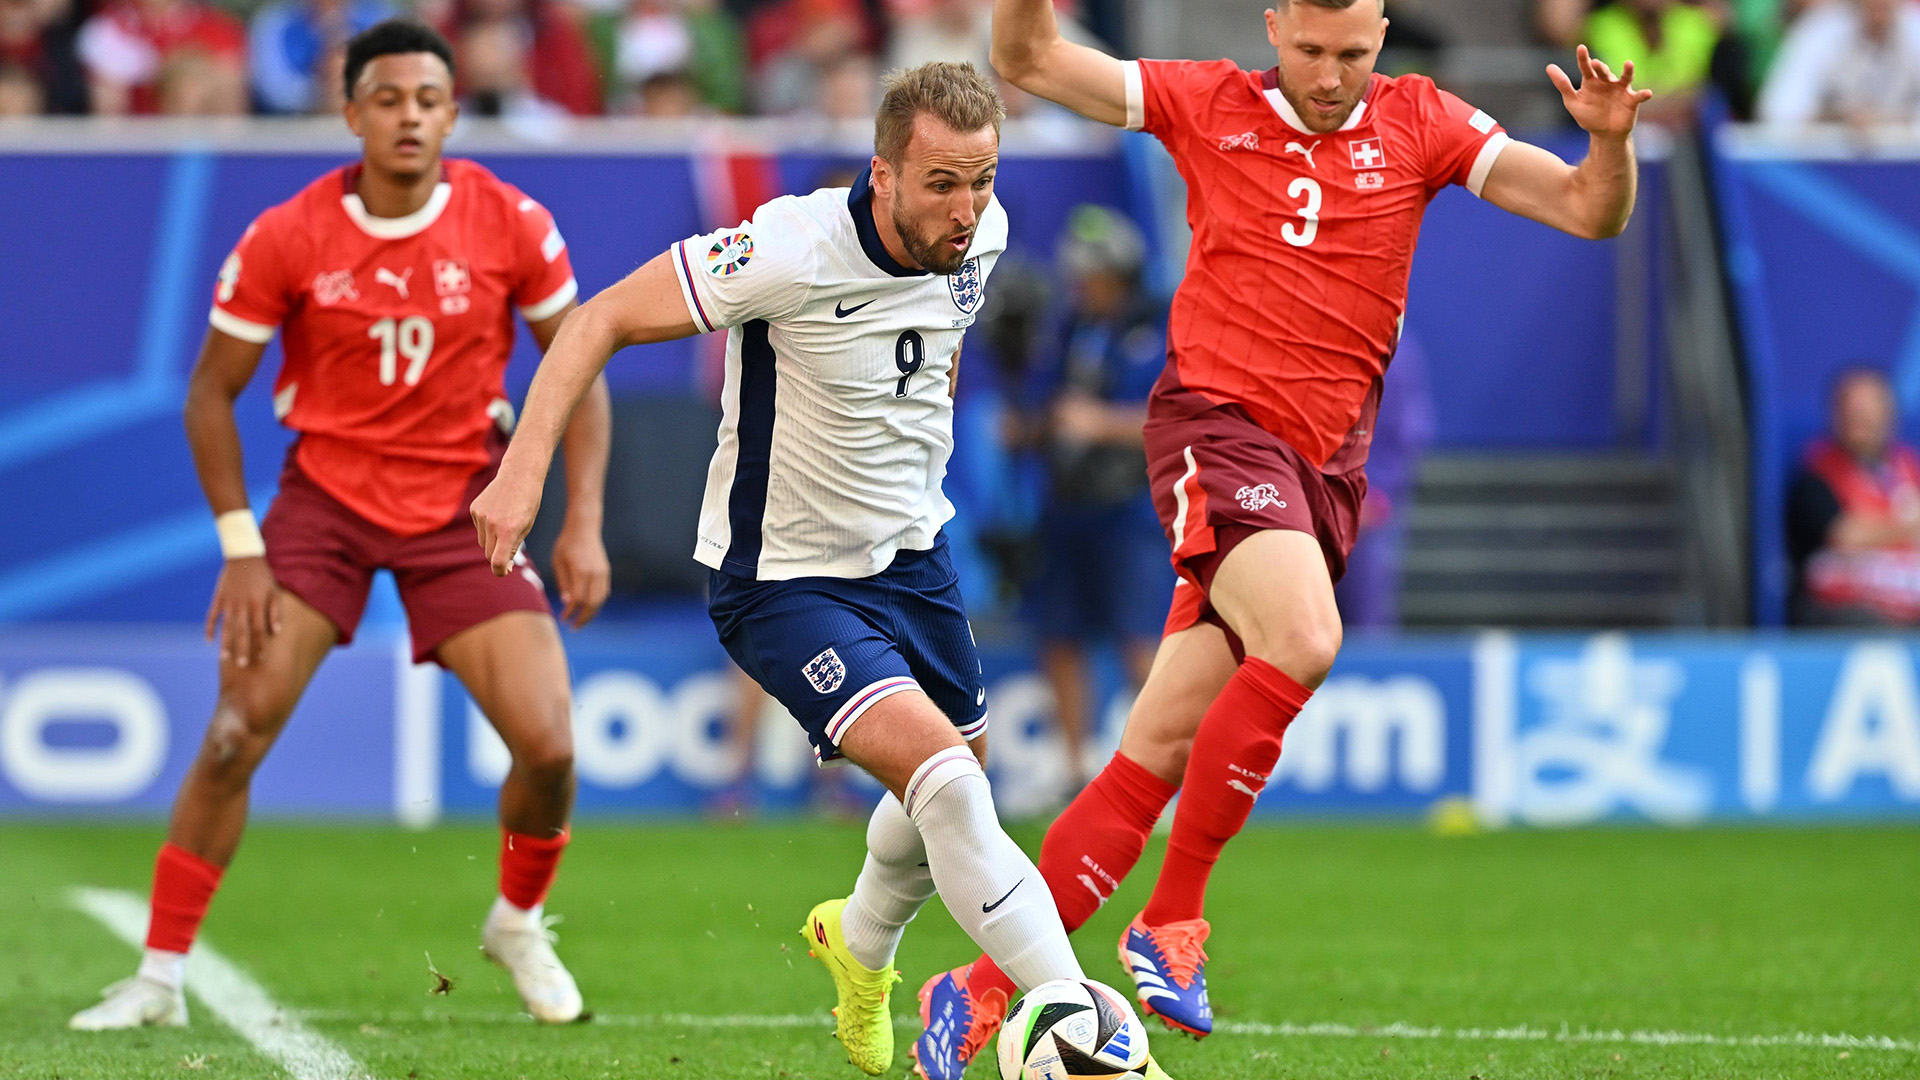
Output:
[[1234, 753], [1090, 848], [183, 886], [527, 866]]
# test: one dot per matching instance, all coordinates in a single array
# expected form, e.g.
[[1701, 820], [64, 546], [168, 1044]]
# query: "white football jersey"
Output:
[[836, 419]]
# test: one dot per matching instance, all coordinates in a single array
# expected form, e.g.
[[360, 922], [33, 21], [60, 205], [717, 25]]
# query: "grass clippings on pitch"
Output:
[[1338, 951]]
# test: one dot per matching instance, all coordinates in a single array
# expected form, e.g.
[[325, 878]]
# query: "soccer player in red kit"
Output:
[[1307, 183], [393, 283]]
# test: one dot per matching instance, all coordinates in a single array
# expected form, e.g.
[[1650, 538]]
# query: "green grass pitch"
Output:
[[1580, 947]]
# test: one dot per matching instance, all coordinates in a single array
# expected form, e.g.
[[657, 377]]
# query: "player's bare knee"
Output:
[[238, 738], [1173, 756], [1305, 649], [1161, 750], [546, 762]]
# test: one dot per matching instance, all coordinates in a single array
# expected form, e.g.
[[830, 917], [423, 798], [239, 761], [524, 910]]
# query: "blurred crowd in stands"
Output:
[[515, 57], [1792, 61], [1788, 62]]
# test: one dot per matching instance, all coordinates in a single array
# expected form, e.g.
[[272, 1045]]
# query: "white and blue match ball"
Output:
[[1071, 1029]]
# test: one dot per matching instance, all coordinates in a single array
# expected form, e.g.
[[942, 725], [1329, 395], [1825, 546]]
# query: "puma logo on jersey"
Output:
[[399, 281], [1305, 151], [1246, 140]]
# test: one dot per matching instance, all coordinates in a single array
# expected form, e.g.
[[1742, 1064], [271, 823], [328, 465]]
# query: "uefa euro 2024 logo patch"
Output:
[[964, 284], [825, 672], [730, 254]]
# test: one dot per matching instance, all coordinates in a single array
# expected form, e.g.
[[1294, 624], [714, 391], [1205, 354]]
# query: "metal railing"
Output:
[[1709, 417]]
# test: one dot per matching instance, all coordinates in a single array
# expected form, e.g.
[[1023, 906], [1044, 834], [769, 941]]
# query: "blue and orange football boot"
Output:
[[1169, 970], [956, 1024]]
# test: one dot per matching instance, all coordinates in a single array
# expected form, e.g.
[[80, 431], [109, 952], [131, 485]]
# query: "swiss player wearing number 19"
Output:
[[393, 283]]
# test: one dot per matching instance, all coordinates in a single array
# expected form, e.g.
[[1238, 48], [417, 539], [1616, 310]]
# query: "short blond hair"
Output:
[[957, 95]]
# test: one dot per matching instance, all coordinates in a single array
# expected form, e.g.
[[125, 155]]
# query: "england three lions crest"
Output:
[[825, 672], [965, 286]]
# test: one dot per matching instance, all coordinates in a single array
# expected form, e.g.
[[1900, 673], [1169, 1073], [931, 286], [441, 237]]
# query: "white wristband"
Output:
[[239, 535]]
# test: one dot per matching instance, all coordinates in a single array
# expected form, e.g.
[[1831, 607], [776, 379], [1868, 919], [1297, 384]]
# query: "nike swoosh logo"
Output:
[[842, 312], [987, 909]]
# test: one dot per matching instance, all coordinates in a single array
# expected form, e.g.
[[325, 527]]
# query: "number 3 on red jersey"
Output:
[[1302, 235]]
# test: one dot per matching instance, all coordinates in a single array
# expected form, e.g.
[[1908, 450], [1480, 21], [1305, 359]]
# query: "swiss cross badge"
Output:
[[1367, 153], [450, 277]]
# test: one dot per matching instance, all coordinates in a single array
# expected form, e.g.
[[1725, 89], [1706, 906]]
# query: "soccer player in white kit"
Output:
[[830, 582]]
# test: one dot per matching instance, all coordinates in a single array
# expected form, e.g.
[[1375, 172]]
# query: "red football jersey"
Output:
[[1297, 279], [396, 330]]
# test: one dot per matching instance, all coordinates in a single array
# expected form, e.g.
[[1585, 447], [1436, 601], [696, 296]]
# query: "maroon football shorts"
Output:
[[325, 554], [1218, 478]]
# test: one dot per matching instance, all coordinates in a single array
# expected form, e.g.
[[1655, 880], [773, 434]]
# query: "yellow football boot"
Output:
[[863, 1021]]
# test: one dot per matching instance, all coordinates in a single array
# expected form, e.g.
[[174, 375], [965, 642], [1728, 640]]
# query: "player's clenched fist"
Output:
[[503, 514]]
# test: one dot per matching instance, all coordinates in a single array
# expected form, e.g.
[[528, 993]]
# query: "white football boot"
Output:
[[520, 942], [132, 1003]]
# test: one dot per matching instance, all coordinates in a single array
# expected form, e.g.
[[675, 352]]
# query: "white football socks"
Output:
[[893, 886], [165, 968], [994, 891]]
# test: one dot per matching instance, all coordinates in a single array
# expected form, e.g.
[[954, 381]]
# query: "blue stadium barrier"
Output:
[[1535, 730], [1822, 248], [108, 280]]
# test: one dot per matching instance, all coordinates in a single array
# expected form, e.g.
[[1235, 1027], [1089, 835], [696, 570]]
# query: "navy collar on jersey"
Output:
[[1270, 87], [860, 205]]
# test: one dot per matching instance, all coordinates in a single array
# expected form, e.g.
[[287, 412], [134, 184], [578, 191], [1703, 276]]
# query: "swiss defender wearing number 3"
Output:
[[393, 283]]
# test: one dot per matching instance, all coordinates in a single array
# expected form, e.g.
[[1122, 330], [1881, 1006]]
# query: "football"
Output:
[[1070, 1028]]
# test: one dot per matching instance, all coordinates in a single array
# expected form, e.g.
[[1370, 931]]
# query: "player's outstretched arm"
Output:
[[245, 609], [645, 307], [1030, 53], [1594, 199], [581, 570]]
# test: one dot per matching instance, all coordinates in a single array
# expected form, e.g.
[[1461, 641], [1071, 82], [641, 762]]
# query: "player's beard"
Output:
[[935, 254], [1303, 108]]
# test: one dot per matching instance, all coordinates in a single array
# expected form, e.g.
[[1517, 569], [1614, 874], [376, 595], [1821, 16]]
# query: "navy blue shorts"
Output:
[[830, 648]]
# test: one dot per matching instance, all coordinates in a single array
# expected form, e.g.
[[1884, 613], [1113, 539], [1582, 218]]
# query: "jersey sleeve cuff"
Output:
[[1136, 96], [683, 270], [1483, 164], [548, 308], [234, 326]]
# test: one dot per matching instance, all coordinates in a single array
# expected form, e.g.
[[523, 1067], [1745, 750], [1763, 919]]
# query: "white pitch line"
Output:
[[1249, 1028], [234, 997], [1567, 1034]]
